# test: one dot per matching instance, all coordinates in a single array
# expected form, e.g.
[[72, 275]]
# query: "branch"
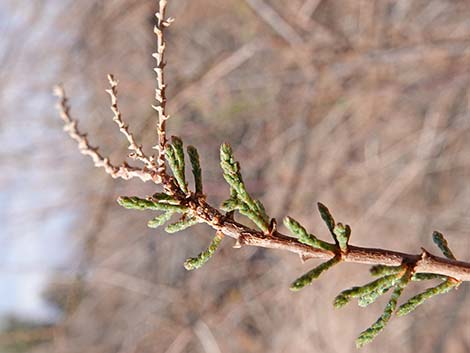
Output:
[[394, 269], [425, 261], [160, 90], [138, 152], [123, 171]]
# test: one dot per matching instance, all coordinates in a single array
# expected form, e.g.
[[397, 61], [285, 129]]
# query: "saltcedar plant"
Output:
[[168, 169]]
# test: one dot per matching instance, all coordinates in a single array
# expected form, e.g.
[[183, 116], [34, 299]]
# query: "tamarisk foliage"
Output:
[[310, 239], [396, 277], [394, 270], [240, 199]]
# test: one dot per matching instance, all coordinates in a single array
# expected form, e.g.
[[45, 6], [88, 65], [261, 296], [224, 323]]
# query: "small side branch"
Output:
[[137, 150], [123, 171]]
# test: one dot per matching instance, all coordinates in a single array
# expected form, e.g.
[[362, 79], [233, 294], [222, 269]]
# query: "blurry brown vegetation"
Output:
[[361, 104]]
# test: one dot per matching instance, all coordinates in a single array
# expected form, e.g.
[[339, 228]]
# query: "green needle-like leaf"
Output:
[[308, 278], [382, 270], [441, 242], [198, 261], [369, 334], [165, 198], [297, 229], [427, 277], [419, 299], [232, 175], [175, 158], [362, 291], [196, 168], [159, 220], [342, 233], [136, 203], [182, 224], [230, 205], [327, 217], [254, 216]]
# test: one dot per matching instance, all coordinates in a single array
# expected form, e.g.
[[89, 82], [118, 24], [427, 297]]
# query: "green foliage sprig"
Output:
[[340, 235], [394, 278], [240, 199], [446, 286], [313, 274], [198, 261], [170, 204], [305, 238], [369, 334]]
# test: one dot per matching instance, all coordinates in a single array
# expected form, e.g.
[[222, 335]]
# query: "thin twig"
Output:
[[160, 90], [123, 171], [138, 152]]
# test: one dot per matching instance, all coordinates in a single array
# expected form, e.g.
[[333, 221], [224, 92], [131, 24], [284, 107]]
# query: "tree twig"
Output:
[[425, 261], [395, 268], [124, 171], [160, 90]]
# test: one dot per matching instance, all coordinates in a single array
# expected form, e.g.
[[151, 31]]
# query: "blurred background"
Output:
[[363, 105]]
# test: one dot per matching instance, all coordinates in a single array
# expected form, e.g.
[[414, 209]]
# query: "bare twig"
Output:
[[160, 96], [138, 152], [123, 171]]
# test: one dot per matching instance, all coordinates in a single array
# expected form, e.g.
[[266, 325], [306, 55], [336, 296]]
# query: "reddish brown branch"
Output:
[[424, 262]]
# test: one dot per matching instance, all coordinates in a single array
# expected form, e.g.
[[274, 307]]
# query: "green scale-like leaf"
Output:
[[419, 299], [342, 233], [441, 243], [313, 274], [327, 217], [159, 220], [136, 203], [442, 288], [175, 157], [369, 292], [382, 270], [240, 199], [369, 334], [196, 168], [198, 261], [164, 198], [309, 239], [182, 224], [427, 277]]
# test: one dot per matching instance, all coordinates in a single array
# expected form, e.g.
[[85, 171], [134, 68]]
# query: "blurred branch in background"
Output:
[[359, 90]]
